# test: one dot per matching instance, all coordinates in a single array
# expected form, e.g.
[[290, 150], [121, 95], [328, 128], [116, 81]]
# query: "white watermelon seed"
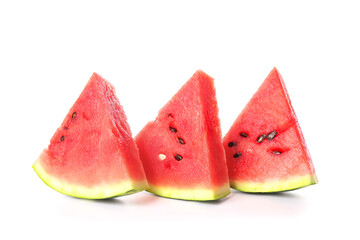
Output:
[[162, 156]]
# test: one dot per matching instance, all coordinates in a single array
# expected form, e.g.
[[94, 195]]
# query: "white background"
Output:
[[148, 50]]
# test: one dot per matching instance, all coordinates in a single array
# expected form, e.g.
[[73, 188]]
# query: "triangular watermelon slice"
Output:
[[265, 148], [181, 150], [93, 155]]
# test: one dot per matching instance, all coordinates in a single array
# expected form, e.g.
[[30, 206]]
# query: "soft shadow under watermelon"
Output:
[[217, 201], [110, 201], [282, 194], [140, 200]]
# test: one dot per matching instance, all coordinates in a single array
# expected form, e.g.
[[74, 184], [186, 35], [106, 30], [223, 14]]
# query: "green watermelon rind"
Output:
[[195, 194], [103, 191], [275, 185]]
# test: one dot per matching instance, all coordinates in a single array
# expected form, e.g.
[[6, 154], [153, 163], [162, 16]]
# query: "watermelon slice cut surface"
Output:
[[265, 148], [93, 155], [181, 150]]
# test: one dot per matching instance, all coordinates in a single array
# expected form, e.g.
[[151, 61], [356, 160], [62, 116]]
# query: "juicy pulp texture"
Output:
[[92, 154], [181, 150], [277, 164]]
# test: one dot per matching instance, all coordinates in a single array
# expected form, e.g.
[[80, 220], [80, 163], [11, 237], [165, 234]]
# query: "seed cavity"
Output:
[[236, 155], [271, 135], [178, 157], [261, 138], [244, 135], [162, 156], [62, 138], [232, 144], [74, 115], [181, 141], [276, 152], [173, 129]]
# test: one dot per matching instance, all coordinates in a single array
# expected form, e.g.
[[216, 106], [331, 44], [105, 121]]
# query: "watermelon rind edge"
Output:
[[195, 194], [103, 191], [275, 185]]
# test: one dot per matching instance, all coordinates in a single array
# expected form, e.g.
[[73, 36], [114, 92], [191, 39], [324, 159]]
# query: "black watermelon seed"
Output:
[[66, 128], [232, 144], [74, 115], [276, 152], [170, 115], [173, 129], [271, 135], [181, 141], [178, 157], [261, 138], [244, 135], [236, 155], [62, 138]]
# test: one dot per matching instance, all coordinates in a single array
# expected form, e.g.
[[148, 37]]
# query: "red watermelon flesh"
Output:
[[181, 150], [92, 154], [265, 148]]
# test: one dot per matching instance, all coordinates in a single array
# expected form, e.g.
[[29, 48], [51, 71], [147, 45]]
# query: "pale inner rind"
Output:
[[275, 185], [100, 191], [198, 194]]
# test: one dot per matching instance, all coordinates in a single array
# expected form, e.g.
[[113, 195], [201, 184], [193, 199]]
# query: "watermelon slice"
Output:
[[265, 148], [181, 150], [93, 155]]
